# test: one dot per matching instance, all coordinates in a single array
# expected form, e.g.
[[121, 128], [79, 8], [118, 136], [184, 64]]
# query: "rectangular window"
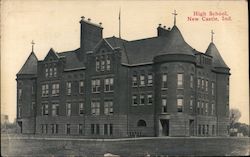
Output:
[[67, 128], [102, 63], [19, 94], [134, 100], [97, 64], [50, 72], [55, 109], [203, 129], [198, 83], [142, 99], [95, 107], [199, 129], [142, 80], [46, 128], [164, 81], [212, 109], [97, 129], [180, 104], [207, 132], [80, 129], [108, 63], [134, 81], [68, 109], [179, 80], [202, 107], [46, 72], [191, 81], [45, 90], [42, 128], [55, 89], [213, 129], [96, 86], [56, 127], [213, 87], [150, 79], [68, 88], [150, 99], [108, 107], [81, 87], [206, 85], [81, 109], [191, 104], [55, 72], [206, 108], [33, 105], [164, 105], [109, 84], [45, 109], [198, 107], [92, 129], [105, 129], [111, 129], [52, 129], [202, 84]]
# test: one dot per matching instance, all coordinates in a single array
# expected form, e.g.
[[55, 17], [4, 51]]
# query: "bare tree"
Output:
[[234, 116]]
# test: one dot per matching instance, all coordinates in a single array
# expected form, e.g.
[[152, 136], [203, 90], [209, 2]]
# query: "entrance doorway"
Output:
[[191, 127], [165, 127]]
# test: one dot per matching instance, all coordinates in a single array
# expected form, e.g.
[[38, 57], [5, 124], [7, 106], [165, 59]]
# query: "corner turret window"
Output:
[[164, 105], [179, 80], [179, 104], [164, 81]]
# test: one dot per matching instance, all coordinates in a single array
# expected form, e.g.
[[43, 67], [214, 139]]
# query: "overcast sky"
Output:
[[56, 24]]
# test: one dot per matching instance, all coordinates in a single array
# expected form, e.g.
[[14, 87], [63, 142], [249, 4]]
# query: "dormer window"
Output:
[[102, 63], [108, 63], [97, 64], [46, 72], [50, 72], [55, 72]]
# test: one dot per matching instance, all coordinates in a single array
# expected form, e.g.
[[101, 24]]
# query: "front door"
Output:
[[165, 127]]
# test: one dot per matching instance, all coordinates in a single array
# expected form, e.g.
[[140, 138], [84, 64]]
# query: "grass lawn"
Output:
[[125, 148]]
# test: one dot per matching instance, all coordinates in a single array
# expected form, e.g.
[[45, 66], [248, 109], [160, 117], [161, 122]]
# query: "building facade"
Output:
[[111, 87]]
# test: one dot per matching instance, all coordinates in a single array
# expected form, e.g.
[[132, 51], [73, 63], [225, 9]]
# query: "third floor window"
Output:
[[179, 80], [96, 85], [109, 84], [45, 90]]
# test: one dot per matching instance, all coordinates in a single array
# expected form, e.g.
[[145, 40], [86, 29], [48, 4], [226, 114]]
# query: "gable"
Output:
[[102, 47], [51, 56]]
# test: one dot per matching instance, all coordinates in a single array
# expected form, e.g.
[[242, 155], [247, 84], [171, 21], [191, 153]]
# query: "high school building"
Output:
[[111, 87]]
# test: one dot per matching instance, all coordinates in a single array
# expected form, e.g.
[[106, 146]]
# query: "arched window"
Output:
[[141, 123]]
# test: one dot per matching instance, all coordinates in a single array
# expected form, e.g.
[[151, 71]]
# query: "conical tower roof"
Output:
[[217, 59], [176, 44], [30, 66]]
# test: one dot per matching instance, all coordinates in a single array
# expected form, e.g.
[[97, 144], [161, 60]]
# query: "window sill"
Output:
[[109, 91]]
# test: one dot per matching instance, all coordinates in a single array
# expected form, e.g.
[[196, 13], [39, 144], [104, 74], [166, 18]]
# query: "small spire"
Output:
[[32, 43], [212, 36], [174, 13], [120, 23]]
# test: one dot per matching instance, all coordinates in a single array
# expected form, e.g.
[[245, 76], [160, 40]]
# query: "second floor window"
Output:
[[150, 99], [142, 99], [68, 88], [55, 109], [96, 86], [191, 105], [206, 108], [134, 100], [179, 80], [55, 89], [108, 107], [95, 107], [81, 109], [198, 107], [212, 109], [81, 87], [198, 83], [109, 84], [179, 104], [45, 109], [68, 109], [45, 90], [206, 85]]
